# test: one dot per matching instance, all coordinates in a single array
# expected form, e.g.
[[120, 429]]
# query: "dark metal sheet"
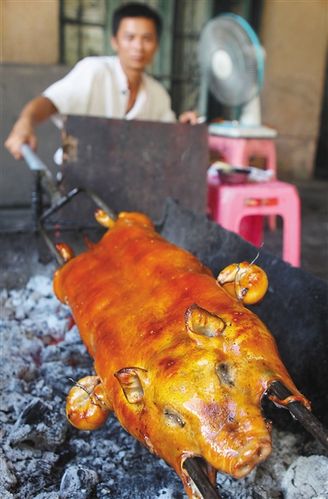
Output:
[[136, 165]]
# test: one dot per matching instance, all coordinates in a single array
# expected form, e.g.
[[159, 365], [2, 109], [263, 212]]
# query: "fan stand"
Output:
[[251, 113]]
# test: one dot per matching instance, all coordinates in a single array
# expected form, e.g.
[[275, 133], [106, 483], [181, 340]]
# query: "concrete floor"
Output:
[[315, 227], [314, 239]]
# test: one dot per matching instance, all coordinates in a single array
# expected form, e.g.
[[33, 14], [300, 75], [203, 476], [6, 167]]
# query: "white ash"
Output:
[[43, 457], [307, 477]]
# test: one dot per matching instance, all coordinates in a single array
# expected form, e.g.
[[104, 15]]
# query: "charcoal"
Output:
[[34, 470], [33, 413], [38, 425], [78, 482], [80, 447], [43, 390], [7, 477], [59, 376], [48, 495], [5, 494]]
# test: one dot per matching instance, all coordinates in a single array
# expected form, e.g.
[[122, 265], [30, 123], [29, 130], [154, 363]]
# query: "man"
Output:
[[111, 87]]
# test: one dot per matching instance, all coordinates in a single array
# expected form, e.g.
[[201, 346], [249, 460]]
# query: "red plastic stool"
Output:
[[228, 205]]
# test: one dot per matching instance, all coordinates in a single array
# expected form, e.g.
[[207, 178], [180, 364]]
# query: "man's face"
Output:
[[135, 42]]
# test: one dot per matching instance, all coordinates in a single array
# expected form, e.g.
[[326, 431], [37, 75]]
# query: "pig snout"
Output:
[[236, 456], [250, 456], [233, 441], [239, 450]]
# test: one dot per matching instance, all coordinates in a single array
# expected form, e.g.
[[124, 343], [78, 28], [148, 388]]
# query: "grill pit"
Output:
[[44, 457]]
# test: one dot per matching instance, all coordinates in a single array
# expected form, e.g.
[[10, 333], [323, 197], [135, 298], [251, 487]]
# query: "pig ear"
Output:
[[201, 322], [129, 379]]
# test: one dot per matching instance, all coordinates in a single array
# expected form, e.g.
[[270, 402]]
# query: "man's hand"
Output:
[[35, 111], [22, 133], [189, 117]]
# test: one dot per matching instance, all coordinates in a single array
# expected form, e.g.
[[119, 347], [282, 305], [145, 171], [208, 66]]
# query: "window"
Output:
[[86, 30]]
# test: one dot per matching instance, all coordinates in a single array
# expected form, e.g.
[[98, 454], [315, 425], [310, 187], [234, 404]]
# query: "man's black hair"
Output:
[[135, 9]]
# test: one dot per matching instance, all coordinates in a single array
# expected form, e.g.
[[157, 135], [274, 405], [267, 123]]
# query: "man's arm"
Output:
[[23, 131]]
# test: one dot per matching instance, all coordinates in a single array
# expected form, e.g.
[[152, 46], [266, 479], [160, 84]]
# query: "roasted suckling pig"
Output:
[[178, 357]]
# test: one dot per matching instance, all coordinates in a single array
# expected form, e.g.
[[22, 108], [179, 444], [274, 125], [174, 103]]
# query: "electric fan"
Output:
[[232, 69]]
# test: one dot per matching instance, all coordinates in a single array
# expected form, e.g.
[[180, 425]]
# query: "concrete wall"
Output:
[[29, 35], [30, 31], [19, 84], [295, 37]]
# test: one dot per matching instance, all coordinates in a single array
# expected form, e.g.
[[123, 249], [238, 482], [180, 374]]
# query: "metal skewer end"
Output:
[[200, 479], [301, 413]]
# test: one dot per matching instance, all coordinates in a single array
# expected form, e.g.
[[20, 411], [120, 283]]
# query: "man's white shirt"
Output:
[[97, 86]]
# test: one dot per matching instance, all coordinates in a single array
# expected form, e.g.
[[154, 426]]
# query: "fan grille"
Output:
[[227, 34]]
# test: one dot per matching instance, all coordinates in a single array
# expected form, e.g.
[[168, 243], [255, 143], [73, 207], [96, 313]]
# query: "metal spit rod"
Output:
[[301, 413]]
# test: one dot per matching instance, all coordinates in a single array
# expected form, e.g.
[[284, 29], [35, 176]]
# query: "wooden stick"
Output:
[[200, 479], [301, 413]]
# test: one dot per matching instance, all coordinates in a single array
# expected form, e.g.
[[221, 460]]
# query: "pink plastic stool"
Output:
[[228, 205], [239, 151]]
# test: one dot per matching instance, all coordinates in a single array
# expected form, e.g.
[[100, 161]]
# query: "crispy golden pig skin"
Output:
[[182, 363]]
